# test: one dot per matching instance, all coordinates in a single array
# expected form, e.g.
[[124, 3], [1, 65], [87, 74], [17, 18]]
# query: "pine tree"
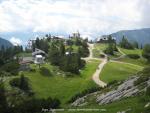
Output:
[[37, 43], [54, 54], [62, 49], [146, 52], [24, 83]]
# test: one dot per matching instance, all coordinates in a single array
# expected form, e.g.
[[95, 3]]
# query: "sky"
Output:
[[90, 17]]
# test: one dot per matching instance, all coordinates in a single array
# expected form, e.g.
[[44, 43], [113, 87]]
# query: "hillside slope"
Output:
[[142, 36], [5, 43]]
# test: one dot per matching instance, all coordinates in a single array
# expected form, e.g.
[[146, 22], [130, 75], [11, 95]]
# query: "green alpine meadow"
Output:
[[81, 56]]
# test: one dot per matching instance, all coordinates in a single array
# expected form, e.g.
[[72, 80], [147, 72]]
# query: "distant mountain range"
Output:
[[5, 43], [142, 36]]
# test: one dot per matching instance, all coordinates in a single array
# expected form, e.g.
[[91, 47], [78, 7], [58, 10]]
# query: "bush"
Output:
[[32, 70], [11, 67], [15, 82], [148, 91], [83, 51], [140, 80], [4, 74], [102, 56], [82, 64], [36, 105], [146, 52], [44, 71], [133, 56], [83, 93], [112, 82], [146, 71], [109, 50], [146, 110], [21, 83]]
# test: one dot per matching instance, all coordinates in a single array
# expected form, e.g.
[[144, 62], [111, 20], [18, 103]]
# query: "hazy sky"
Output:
[[90, 17]]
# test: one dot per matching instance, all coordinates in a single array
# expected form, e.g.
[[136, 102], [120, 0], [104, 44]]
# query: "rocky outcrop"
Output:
[[126, 89], [79, 102], [82, 101]]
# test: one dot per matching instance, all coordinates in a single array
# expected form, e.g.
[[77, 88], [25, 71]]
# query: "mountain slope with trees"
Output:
[[142, 36], [5, 43]]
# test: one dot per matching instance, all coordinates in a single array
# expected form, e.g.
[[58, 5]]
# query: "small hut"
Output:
[[39, 59], [38, 56]]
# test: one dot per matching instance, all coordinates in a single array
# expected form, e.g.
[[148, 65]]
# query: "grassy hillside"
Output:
[[140, 61], [117, 71], [132, 51], [61, 87], [98, 48]]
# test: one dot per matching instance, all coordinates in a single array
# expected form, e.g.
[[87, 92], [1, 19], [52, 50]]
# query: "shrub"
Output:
[[21, 83], [148, 91], [83, 93], [32, 70], [146, 71], [133, 56], [44, 71], [15, 82], [140, 80], [102, 56], [112, 82], [109, 50], [11, 67], [82, 64], [36, 105], [146, 110], [3, 73], [146, 51]]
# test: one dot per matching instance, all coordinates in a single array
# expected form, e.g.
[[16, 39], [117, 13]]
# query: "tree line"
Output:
[[66, 58]]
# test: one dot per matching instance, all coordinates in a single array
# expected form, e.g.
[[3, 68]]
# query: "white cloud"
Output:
[[87, 16], [15, 41]]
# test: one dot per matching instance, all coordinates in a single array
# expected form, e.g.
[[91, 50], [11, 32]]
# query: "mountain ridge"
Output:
[[142, 36], [5, 43]]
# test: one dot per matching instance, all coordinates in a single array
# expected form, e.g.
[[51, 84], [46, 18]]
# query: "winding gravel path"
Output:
[[96, 75]]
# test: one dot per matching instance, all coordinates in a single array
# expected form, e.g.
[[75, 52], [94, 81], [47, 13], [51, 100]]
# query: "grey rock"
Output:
[[126, 89], [79, 102]]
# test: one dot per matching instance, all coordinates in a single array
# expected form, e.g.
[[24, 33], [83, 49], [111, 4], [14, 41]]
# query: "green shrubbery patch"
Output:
[[38, 105], [133, 56], [83, 93], [148, 91], [21, 83], [44, 71], [146, 71], [140, 80], [4, 74], [11, 67]]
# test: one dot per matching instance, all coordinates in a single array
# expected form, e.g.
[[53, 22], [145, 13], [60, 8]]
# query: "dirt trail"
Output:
[[96, 75]]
